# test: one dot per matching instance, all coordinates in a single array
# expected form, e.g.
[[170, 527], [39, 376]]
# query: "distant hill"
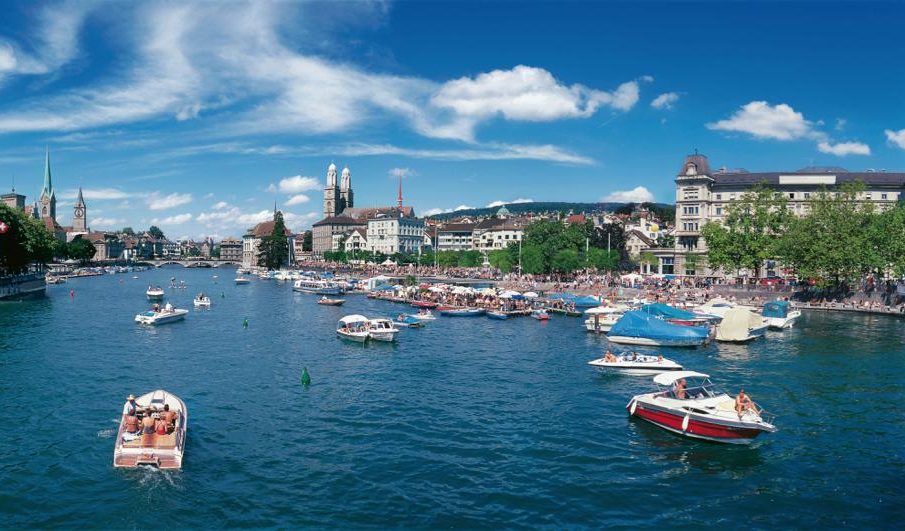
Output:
[[538, 207]]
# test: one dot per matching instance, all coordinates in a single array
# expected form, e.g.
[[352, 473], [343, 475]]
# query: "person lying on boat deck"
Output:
[[131, 407], [169, 416], [609, 357], [147, 423], [680, 389], [131, 424], [744, 403]]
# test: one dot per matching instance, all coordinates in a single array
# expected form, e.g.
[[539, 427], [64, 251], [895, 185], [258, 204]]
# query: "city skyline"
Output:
[[197, 119]]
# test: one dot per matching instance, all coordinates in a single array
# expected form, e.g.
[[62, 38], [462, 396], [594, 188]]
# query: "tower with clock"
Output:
[[79, 214]]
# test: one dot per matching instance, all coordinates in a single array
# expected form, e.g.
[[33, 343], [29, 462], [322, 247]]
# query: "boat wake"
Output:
[[106, 434]]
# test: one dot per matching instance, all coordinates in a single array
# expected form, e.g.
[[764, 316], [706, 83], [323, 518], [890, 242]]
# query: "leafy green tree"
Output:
[[601, 259], [470, 259], [565, 261], [609, 235], [647, 258], [307, 239], [501, 259], [886, 234], [550, 237], [155, 232], [336, 256], [81, 250], [750, 232], [273, 250], [532, 259], [448, 258]]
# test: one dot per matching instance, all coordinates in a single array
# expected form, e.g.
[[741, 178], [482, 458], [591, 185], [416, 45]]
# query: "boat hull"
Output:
[[652, 342], [498, 316], [386, 337], [424, 304], [695, 427], [157, 320], [474, 312], [360, 337], [781, 323]]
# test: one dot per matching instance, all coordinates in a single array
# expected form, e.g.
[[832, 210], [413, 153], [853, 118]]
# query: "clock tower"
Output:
[[79, 214]]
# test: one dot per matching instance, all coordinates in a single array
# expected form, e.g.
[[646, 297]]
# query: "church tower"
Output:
[[79, 214], [48, 198], [331, 193], [345, 190]]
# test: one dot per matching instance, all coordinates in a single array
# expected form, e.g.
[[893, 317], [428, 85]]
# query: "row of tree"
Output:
[[24, 240], [840, 238]]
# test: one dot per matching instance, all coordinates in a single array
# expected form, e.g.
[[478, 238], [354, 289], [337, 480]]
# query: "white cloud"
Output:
[[494, 204], [158, 202], [107, 223], [842, 149], [546, 152], [220, 205], [638, 194], [297, 199], [433, 212], [760, 119], [96, 194], [403, 173], [295, 184], [462, 207], [665, 100], [178, 219], [896, 137]]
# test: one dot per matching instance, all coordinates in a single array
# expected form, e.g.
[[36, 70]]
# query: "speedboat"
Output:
[[152, 449], [317, 286], [740, 325], [408, 321], [703, 413], [324, 301], [424, 304], [602, 318], [780, 315], [461, 312], [502, 316], [424, 315], [155, 293], [638, 327], [636, 364], [382, 330], [159, 317], [202, 301], [353, 328], [242, 280], [540, 315]]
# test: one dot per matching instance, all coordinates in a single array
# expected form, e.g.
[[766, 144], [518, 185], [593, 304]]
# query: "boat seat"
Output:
[[153, 441], [726, 405]]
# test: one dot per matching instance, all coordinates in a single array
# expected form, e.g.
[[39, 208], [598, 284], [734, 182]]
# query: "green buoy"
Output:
[[222, 295], [306, 378], [245, 323]]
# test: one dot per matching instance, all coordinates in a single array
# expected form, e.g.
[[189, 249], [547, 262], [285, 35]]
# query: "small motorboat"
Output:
[[602, 318], [158, 316], [424, 315], [698, 410], [425, 304], [382, 330], [502, 316], [780, 315], [461, 312], [242, 280], [740, 326], [324, 301], [162, 451], [202, 301], [636, 364], [408, 321], [155, 293], [638, 327], [540, 315], [353, 328]]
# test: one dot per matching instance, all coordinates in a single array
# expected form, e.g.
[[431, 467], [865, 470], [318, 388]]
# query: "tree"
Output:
[[647, 258], [750, 232], [565, 261], [609, 236], [156, 232], [307, 241], [601, 259], [501, 259], [886, 234], [273, 250], [550, 237], [129, 232], [81, 250], [532, 259], [470, 259]]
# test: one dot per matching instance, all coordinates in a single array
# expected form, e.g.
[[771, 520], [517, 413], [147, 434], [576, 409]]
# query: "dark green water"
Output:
[[467, 423]]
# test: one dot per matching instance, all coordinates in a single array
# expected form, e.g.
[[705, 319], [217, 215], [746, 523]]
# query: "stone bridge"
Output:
[[193, 262]]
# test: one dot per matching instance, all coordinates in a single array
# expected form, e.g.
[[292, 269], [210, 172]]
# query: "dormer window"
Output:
[[691, 169]]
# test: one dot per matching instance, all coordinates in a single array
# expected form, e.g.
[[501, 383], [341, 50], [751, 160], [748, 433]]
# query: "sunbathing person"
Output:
[[609, 357], [680, 389], [744, 403], [131, 424]]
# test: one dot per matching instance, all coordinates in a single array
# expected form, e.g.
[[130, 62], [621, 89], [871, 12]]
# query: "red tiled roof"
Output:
[[265, 228]]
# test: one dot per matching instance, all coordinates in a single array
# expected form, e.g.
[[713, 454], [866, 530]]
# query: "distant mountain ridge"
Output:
[[538, 207]]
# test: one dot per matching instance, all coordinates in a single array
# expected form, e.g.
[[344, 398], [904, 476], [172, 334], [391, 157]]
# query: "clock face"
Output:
[[79, 211]]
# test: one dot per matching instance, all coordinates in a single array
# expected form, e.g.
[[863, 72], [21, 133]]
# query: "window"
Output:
[[883, 197], [719, 197], [807, 195], [731, 197], [719, 211], [791, 195]]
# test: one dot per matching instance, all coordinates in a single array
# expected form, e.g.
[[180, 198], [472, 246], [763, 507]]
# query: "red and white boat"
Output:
[[703, 413], [424, 304]]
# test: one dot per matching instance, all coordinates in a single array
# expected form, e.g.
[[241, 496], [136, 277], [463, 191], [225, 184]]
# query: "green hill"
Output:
[[663, 210]]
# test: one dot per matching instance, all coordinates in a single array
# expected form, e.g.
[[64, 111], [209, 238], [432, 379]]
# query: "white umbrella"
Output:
[[531, 295]]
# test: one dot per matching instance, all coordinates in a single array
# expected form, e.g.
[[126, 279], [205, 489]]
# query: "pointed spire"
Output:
[[399, 196], [48, 183], [80, 200]]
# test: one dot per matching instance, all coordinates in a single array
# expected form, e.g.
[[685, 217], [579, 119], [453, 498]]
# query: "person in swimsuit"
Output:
[[169, 417], [147, 424], [131, 424], [160, 426], [743, 403], [680, 389]]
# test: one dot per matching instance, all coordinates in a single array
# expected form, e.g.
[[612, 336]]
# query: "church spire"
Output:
[[48, 183], [399, 196], [80, 200]]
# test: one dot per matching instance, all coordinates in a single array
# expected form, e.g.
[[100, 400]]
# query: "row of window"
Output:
[[690, 226]]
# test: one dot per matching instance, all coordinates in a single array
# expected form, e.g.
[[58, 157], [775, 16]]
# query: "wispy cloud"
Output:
[[297, 199], [842, 149], [896, 138], [295, 184], [494, 204], [96, 194], [157, 201], [639, 194], [401, 173], [665, 100], [107, 223], [177, 219]]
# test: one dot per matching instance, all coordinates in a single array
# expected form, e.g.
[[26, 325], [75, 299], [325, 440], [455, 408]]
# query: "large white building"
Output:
[[394, 232], [455, 237], [703, 195], [493, 234]]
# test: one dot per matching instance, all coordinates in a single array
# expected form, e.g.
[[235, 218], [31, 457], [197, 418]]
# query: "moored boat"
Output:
[[242, 280], [317, 286], [635, 364], [202, 301], [354, 328], [740, 325], [461, 312], [602, 318], [408, 321], [641, 328], [699, 410], [382, 330], [540, 315], [502, 316], [425, 304], [162, 448], [155, 293], [158, 316], [676, 316], [424, 315], [324, 301], [780, 315]]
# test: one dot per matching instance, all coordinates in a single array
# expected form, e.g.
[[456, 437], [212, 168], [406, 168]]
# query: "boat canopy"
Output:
[[355, 318], [602, 310], [737, 324], [637, 323], [667, 312], [668, 378], [776, 309]]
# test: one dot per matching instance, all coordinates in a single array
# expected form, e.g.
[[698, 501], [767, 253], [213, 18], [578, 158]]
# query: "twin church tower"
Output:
[[338, 198]]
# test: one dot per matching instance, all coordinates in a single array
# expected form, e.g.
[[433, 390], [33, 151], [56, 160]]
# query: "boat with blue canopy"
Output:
[[638, 327], [780, 315], [674, 315]]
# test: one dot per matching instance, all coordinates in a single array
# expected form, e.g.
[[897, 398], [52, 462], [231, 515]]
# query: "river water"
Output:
[[468, 422]]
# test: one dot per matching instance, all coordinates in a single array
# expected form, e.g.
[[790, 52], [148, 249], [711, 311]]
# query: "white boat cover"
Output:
[[737, 324], [603, 310], [667, 378], [355, 318]]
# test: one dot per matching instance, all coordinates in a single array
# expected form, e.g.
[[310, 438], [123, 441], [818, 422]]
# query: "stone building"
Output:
[[455, 237], [394, 232], [231, 250], [252, 239]]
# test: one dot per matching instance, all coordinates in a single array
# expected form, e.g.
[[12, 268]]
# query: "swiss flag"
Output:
[[3, 227]]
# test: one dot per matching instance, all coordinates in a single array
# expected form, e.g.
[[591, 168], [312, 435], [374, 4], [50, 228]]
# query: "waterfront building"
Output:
[[357, 240], [14, 200], [455, 237], [231, 249], [252, 240], [106, 245], [324, 230], [704, 195], [492, 234], [394, 232]]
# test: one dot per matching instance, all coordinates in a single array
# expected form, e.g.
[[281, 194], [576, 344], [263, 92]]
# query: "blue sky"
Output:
[[197, 117]]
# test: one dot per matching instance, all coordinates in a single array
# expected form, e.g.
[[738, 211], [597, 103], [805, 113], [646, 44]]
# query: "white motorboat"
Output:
[[602, 318], [424, 315], [718, 307], [780, 315], [242, 280], [636, 364], [202, 301], [699, 410], [160, 316], [353, 328], [163, 450], [317, 286], [155, 293], [382, 330], [740, 325]]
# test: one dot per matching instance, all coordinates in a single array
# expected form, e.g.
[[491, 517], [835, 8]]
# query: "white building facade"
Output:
[[390, 234]]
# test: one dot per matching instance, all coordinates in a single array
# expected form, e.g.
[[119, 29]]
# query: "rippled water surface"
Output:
[[468, 423]]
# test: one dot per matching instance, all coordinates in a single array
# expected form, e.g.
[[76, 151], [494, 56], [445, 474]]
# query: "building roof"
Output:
[[231, 241], [643, 237], [576, 219], [457, 227], [264, 229], [366, 213], [500, 224], [773, 178], [52, 225], [339, 220]]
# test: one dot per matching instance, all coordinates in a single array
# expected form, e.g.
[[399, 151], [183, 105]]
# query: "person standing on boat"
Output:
[[131, 407]]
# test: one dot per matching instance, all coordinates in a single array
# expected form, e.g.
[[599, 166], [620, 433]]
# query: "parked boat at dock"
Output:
[[602, 318], [407, 321], [502, 316], [780, 315], [636, 364], [641, 328], [160, 450], [242, 280], [317, 286], [461, 312], [740, 325]]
